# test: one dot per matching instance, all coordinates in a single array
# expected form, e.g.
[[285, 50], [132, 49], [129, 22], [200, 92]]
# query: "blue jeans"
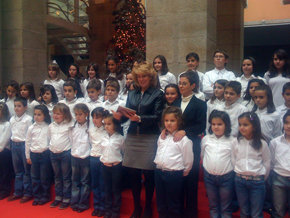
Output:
[[80, 183], [220, 192], [61, 165], [22, 185], [40, 175], [251, 196], [112, 180], [281, 195], [169, 193], [97, 183]]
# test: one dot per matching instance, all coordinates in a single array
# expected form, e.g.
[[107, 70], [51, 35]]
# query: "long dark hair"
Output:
[[119, 73], [5, 115], [247, 95], [270, 104], [257, 132], [253, 64], [14, 85], [172, 85], [282, 55], [221, 82], [164, 69], [224, 117], [29, 86], [117, 124], [49, 88], [79, 76], [96, 69], [45, 112]]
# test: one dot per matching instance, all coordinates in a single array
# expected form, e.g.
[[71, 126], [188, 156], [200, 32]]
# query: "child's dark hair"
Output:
[[79, 76], [235, 85], [48, 88], [221, 51], [96, 69], [257, 132], [224, 117], [54, 67], [94, 84], [192, 55], [113, 82], [285, 116], [247, 95], [84, 108], [164, 69], [117, 124], [76, 87], [285, 87], [282, 55], [5, 115], [119, 74], [192, 78], [14, 85], [221, 82], [98, 112], [177, 113], [22, 100], [45, 112], [29, 86], [64, 109], [253, 63], [172, 85], [270, 104]]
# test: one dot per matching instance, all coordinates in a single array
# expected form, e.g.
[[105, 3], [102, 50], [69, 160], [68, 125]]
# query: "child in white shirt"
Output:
[[93, 92], [48, 97], [20, 123], [282, 109], [249, 95], [37, 155], [27, 91], [11, 93], [112, 145], [54, 80], [173, 161], [80, 152]]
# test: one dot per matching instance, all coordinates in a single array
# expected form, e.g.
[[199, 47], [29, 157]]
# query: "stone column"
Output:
[[24, 41], [230, 31], [175, 28]]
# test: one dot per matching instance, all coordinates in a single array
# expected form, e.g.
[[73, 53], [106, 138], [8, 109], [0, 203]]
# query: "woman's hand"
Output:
[[179, 135], [135, 118], [163, 134], [116, 115]]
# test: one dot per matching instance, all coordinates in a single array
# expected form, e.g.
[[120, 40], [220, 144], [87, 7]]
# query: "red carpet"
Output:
[[16, 210]]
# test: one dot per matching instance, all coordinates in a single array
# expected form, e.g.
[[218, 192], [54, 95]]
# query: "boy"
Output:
[[232, 106], [220, 59], [19, 126], [94, 90], [282, 109]]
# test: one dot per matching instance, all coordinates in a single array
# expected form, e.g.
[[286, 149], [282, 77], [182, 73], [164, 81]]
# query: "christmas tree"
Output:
[[129, 34]]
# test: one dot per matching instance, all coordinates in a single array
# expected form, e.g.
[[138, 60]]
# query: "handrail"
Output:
[[58, 8]]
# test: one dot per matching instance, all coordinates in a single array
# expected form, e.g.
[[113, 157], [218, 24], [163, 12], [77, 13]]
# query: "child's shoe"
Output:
[[54, 204]]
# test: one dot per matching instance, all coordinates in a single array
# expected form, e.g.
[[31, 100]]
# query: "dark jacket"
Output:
[[149, 107]]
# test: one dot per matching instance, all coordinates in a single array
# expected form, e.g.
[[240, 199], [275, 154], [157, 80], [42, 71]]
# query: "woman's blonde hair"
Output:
[[145, 68]]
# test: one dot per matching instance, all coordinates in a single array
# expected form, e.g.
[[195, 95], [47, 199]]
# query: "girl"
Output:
[[248, 99], [112, 144], [37, 155], [251, 160], [80, 161], [27, 91], [173, 161], [218, 170], [92, 72], [160, 66], [11, 93], [96, 135], [48, 97], [248, 69], [265, 109], [171, 94], [75, 74], [54, 80], [128, 86], [280, 152], [6, 168], [278, 74], [112, 63], [59, 146], [217, 98]]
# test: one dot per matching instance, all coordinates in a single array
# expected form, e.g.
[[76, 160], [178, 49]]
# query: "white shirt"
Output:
[[93, 104], [200, 95], [10, 104], [216, 154], [58, 86], [85, 84], [59, 136], [5, 135], [281, 110], [276, 84], [19, 127], [30, 107], [71, 104], [80, 143], [96, 135], [36, 139], [248, 104], [244, 81], [185, 101], [234, 111], [270, 124], [247, 161], [280, 152], [113, 105], [166, 79], [50, 108], [172, 155], [212, 76], [210, 107], [111, 148]]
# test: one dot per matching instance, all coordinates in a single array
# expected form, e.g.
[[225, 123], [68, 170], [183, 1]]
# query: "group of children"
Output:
[[76, 138]]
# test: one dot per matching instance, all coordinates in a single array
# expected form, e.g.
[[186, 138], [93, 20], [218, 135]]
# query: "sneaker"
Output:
[[25, 199], [13, 198], [63, 206], [54, 204]]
